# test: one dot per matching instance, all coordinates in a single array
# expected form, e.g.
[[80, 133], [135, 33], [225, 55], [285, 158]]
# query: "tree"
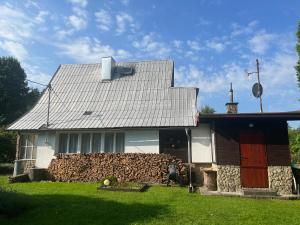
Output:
[[294, 140], [7, 146], [15, 95], [207, 110], [297, 67]]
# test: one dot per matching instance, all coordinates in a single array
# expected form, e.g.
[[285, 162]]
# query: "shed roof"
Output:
[[292, 115], [146, 98]]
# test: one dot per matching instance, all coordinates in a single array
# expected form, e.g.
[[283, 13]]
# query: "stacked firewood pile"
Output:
[[135, 167]]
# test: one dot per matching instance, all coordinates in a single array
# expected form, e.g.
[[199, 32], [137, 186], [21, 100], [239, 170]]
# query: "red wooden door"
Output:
[[254, 169]]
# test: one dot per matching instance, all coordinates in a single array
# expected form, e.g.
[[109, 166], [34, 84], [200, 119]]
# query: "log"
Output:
[[136, 167]]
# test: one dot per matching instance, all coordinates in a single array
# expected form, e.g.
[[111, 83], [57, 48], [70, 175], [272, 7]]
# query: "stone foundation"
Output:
[[280, 179], [228, 178]]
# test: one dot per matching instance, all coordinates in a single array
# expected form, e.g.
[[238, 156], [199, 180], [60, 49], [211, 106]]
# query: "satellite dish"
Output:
[[257, 90]]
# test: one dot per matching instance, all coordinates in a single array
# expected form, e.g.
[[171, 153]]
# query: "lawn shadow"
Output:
[[74, 209]]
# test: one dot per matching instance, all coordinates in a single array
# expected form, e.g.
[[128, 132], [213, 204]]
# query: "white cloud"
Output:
[[77, 22], [260, 42], [18, 28], [82, 3], [103, 19], [86, 50], [215, 45], [79, 19], [277, 77], [63, 33], [40, 18], [154, 48], [209, 82], [14, 48], [177, 43], [80, 12], [194, 45], [15, 25], [124, 21], [35, 73], [242, 29]]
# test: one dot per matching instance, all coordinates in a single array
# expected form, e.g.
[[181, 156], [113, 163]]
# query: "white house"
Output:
[[130, 107]]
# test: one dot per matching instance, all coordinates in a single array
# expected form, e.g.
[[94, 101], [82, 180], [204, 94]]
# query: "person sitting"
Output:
[[172, 175]]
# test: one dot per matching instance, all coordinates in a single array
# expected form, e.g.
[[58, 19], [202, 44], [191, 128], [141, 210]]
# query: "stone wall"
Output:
[[228, 178], [28, 165], [280, 179], [137, 167]]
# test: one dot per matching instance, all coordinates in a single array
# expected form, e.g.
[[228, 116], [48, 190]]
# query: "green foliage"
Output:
[[294, 139], [297, 67], [15, 96], [6, 168], [113, 181], [207, 110], [7, 146]]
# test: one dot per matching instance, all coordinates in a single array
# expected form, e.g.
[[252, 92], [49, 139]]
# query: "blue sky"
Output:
[[211, 42]]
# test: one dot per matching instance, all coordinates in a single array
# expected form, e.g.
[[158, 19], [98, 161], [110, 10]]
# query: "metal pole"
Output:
[[258, 80], [191, 188], [49, 96]]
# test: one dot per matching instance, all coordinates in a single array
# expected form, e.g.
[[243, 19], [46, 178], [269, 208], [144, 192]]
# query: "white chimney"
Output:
[[108, 64]]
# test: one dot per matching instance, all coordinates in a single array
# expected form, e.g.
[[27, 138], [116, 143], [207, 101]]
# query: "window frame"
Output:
[[79, 141], [24, 147]]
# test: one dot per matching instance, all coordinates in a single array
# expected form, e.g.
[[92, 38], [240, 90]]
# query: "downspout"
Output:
[[16, 164], [188, 131]]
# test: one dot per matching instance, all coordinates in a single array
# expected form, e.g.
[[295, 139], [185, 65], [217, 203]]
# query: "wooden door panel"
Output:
[[254, 170], [254, 177]]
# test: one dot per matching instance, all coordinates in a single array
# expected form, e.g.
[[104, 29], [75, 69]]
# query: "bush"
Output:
[[12, 203], [113, 180], [294, 140], [6, 168], [7, 146]]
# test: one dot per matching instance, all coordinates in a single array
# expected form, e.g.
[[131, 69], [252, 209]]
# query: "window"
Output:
[[96, 147], [91, 142], [85, 143], [73, 143], [109, 142], [28, 146], [63, 143], [120, 142]]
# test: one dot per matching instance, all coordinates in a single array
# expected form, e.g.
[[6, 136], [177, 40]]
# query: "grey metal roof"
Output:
[[146, 98]]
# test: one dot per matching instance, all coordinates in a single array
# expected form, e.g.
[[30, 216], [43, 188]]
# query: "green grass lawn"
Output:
[[80, 203]]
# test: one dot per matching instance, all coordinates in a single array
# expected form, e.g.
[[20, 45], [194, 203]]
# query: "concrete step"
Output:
[[259, 192]]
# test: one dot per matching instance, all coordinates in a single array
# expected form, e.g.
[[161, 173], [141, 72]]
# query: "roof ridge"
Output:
[[141, 61]]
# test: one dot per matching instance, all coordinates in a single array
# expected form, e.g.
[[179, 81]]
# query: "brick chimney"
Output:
[[231, 107]]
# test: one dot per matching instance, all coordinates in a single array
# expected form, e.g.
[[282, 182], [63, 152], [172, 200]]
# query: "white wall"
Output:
[[45, 149], [142, 141], [201, 144]]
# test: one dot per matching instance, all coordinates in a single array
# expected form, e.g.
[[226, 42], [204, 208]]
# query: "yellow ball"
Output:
[[106, 182]]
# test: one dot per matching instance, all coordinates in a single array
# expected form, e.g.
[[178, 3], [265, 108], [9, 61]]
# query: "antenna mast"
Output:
[[49, 87], [259, 90], [49, 98], [259, 85]]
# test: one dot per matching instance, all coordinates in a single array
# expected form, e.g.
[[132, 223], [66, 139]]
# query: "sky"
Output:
[[212, 43]]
